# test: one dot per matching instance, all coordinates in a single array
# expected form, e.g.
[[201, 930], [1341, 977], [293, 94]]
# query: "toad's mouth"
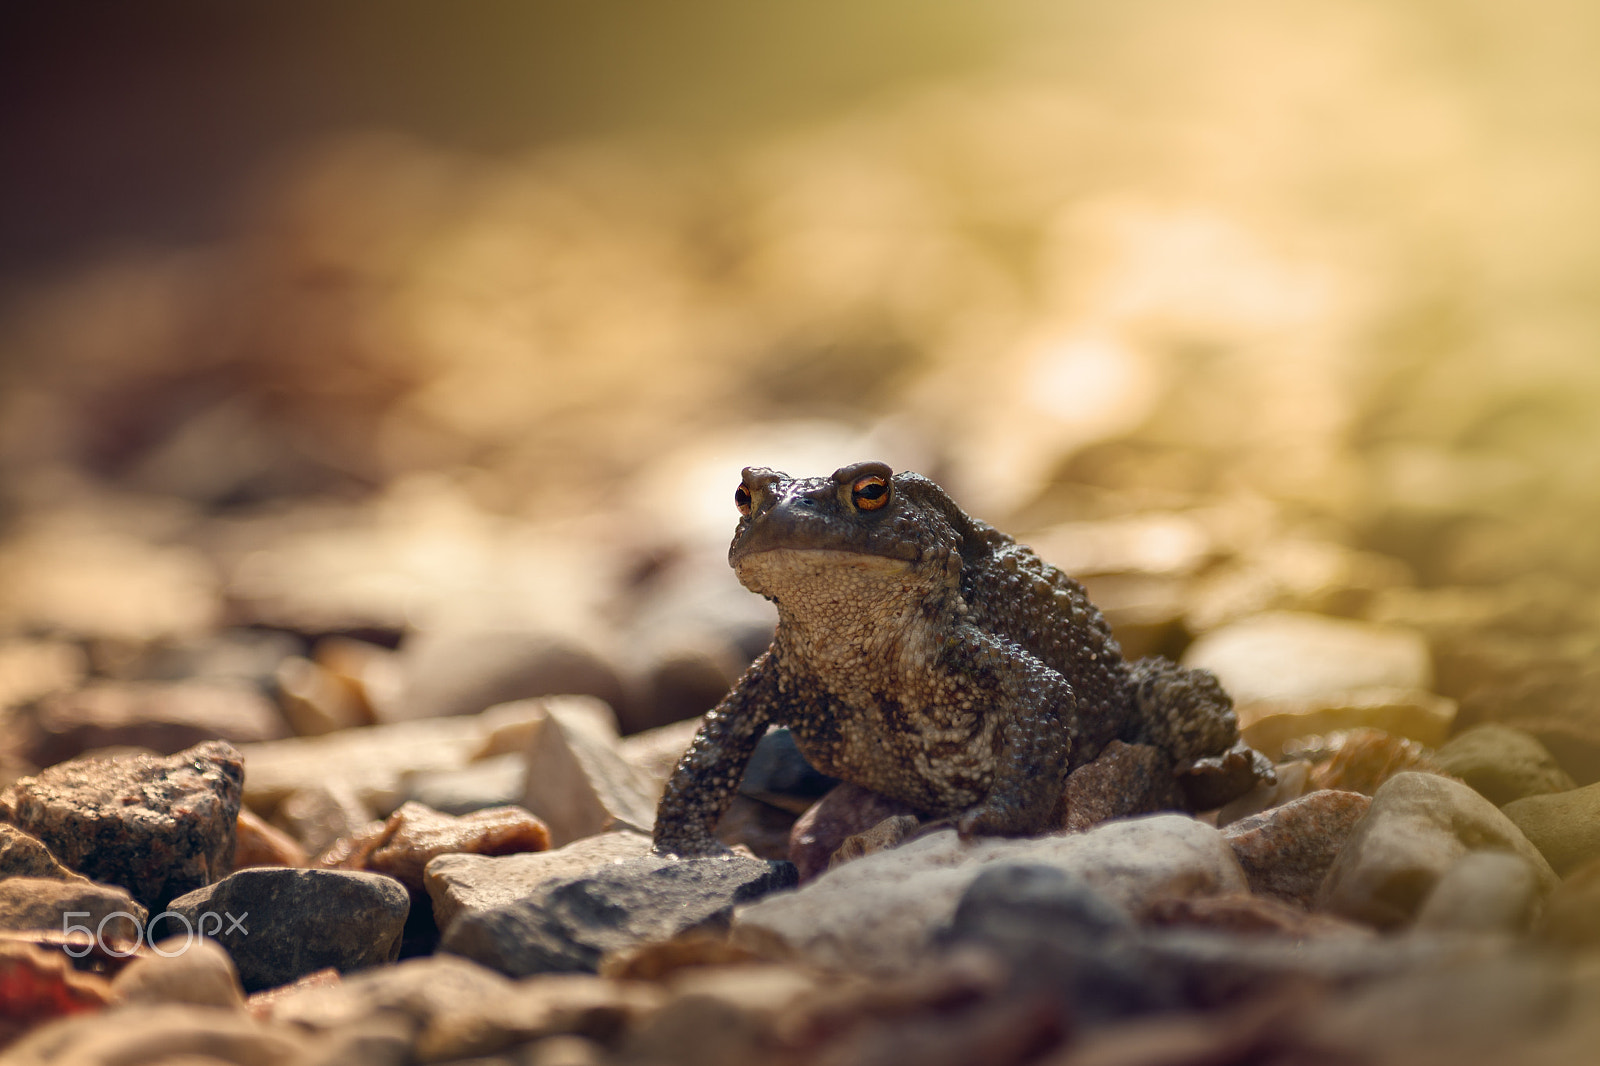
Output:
[[829, 572], [819, 559]]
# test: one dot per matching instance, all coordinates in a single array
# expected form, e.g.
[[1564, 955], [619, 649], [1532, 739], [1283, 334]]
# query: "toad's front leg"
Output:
[[706, 777], [1031, 744]]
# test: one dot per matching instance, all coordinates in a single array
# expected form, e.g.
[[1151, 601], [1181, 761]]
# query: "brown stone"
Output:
[[182, 969], [41, 985], [317, 817], [578, 783], [316, 700], [1293, 779], [262, 1003], [414, 834], [1286, 851], [761, 827], [159, 827], [264, 844], [1558, 705], [469, 883], [1502, 763], [24, 856], [1572, 913], [1564, 826], [845, 811], [42, 903], [1124, 779], [1412, 713], [163, 716], [1249, 915], [889, 833], [1366, 758]]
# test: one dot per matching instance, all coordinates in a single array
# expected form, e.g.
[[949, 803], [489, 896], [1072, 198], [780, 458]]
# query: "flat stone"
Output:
[[877, 913], [1484, 892], [579, 784], [157, 826], [43, 903], [22, 855], [293, 922], [846, 812], [1502, 763], [1418, 827], [460, 884], [165, 717], [1564, 826], [1285, 852], [1424, 717], [1283, 655], [182, 969], [569, 925], [497, 781], [1123, 780], [372, 763], [414, 834]]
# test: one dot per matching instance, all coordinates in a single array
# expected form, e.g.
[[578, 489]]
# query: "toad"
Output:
[[926, 655]]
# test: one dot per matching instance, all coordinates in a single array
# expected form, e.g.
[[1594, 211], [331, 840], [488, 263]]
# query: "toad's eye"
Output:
[[741, 499], [870, 493]]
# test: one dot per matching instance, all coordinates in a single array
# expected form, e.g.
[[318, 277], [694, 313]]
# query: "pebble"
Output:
[[1417, 828], [450, 671], [43, 903], [292, 922], [1558, 705], [496, 781], [163, 716], [1483, 892], [1572, 913], [1286, 851], [315, 700], [1363, 759], [1283, 655], [761, 827], [262, 844], [777, 774], [570, 924], [371, 763], [41, 985], [1123, 780], [1564, 826], [159, 827], [317, 817], [579, 784], [414, 834], [845, 812], [1293, 780], [460, 884], [1414, 714], [191, 970], [1502, 763], [877, 913], [22, 855]]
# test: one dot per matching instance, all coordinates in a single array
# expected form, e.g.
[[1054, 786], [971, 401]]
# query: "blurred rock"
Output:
[[414, 834], [187, 969], [1415, 715], [371, 763], [1293, 574], [280, 924], [843, 813], [262, 844], [24, 856], [166, 1033], [241, 655], [1293, 781], [889, 833], [1483, 892], [655, 752], [1363, 759], [495, 781], [1146, 612], [1417, 828], [1124, 779], [1502, 763], [1571, 916], [1286, 851], [157, 826], [43, 903], [460, 884], [1564, 826], [569, 925], [30, 669], [877, 912], [779, 775], [761, 827], [317, 701], [316, 817], [40, 986], [683, 679], [165, 717], [1250, 916], [261, 1003], [579, 784], [1288, 656], [1559, 707], [454, 672]]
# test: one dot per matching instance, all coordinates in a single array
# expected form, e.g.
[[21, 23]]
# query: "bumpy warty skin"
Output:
[[925, 655]]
